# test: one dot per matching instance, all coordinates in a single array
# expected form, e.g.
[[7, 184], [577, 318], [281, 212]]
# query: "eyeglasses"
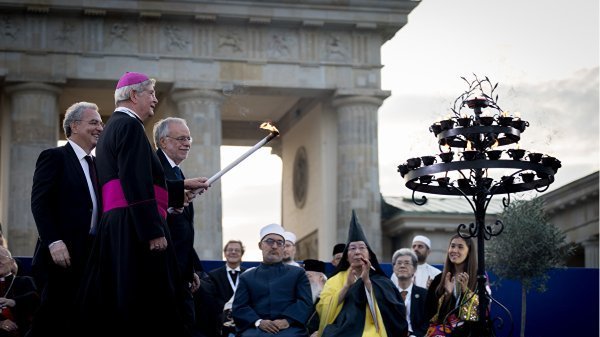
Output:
[[353, 248], [272, 242], [233, 250], [182, 139], [93, 122], [403, 263]]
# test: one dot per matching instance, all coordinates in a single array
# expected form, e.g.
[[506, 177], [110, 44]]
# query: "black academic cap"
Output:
[[314, 265], [355, 232], [339, 248]]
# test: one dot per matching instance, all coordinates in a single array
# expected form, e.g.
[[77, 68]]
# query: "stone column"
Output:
[[34, 126], [590, 251], [202, 111], [358, 167]]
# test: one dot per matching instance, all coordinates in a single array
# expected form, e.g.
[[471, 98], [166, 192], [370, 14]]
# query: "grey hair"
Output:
[[73, 114], [124, 93], [161, 128], [405, 252]]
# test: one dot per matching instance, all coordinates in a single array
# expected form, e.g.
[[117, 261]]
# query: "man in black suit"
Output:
[[66, 205], [225, 280], [173, 142], [404, 262]]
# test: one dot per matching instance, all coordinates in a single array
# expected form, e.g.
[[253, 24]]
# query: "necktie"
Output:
[[93, 175], [403, 293], [178, 172], [233, 275]]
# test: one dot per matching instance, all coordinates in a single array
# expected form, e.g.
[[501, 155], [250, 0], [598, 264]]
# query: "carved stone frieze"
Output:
[[282, 44], [176, 39], [230, 41], [337, 47], [8, 28], [191, 39], [65, 34]]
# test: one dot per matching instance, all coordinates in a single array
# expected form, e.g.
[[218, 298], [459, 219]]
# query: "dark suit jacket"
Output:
[[221, 283], [62, 209], [181, 227], [418, 319]]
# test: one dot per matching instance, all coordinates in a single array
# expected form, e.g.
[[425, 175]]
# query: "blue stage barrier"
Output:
[[569, 306]]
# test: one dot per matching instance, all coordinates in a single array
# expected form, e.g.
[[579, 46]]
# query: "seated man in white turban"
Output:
[[273, 299]]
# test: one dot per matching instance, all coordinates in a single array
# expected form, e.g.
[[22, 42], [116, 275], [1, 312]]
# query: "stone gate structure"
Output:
[[310, 66]]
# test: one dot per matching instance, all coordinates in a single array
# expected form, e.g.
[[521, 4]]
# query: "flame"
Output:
[[518, 146], [469, 148], [504, 113], [445, 148], [518, 115], [495, 145], [463, 115], [268, 126]]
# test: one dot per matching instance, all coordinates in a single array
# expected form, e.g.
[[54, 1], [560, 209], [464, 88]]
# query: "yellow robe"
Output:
[[329, 308]]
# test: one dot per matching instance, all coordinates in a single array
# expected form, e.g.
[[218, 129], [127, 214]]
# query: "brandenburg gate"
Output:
[[313, 67]]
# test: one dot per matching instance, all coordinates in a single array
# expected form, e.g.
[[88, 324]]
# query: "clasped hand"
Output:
[[273, 326], [462, 280], [363, 273]]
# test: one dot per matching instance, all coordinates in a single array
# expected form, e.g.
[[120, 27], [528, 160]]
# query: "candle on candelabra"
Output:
[[266, 126]]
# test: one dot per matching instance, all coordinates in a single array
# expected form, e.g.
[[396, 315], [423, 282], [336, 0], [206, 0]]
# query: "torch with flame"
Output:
[[272, 134]]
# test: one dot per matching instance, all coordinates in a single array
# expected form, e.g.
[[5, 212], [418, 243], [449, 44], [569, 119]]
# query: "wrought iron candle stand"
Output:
[[477, 139]]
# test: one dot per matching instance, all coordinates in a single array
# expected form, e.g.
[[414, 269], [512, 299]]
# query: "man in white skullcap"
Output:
[[421, 245], [289, 251], [273, 298], [425, 273]]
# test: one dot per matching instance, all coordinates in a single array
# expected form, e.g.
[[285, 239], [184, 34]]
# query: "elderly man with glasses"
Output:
[[404, 263], [273, 299], [173, 143]]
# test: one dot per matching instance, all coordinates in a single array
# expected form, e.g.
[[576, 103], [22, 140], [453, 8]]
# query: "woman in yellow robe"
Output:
[[359, 300]]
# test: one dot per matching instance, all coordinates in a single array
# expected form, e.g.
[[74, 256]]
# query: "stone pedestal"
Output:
[[202, 111], [357, 163], [34, 125]]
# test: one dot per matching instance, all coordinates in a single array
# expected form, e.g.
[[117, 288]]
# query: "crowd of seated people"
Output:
[[276, 297]]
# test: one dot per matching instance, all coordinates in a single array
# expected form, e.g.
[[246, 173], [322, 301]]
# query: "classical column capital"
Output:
[[181, 95], [341, 101], [33, 87]]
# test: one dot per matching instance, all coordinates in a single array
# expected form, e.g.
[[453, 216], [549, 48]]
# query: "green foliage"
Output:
[[528, 246]]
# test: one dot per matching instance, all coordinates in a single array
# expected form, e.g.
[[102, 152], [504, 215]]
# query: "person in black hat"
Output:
[[359, 299], [315, 271], [338, 251]]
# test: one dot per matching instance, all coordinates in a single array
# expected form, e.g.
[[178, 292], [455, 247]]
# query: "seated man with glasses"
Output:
[[359, 299], [226, 279], [404, 263], [273, 299]]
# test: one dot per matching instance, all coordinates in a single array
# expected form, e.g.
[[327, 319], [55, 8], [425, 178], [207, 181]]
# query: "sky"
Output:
[[543, 53]]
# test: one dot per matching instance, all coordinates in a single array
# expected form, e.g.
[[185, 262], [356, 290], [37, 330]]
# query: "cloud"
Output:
[[563, 116]]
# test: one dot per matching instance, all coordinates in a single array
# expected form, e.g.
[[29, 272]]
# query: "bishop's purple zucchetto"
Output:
[[130, 78]]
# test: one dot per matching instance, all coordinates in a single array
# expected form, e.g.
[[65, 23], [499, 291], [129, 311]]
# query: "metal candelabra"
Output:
[[472, 171]]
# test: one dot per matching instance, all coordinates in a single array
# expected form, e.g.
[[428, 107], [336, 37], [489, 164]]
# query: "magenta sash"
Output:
[[113, 197]]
